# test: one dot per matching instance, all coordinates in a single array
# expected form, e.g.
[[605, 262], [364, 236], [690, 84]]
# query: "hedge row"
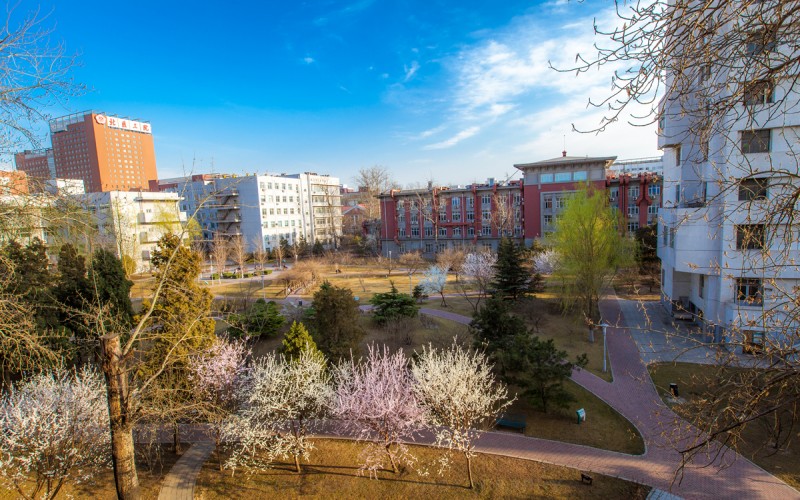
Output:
[[234, 275]]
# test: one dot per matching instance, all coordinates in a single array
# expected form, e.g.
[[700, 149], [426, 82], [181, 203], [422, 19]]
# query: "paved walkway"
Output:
[[633, 395], [180, 481]]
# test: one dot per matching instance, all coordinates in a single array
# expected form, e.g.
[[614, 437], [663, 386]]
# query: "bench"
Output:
[[512, 421]]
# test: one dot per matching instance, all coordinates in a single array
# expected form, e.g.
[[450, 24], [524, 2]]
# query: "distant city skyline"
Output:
[[453, 92]]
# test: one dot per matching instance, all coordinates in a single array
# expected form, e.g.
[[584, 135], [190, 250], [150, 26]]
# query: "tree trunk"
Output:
[[469, 470], [176, 438], [444, 303], [122, 451], [391, 458], [297, 464]]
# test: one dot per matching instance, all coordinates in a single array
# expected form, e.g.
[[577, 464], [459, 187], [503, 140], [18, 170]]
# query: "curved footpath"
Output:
[[633, 395]]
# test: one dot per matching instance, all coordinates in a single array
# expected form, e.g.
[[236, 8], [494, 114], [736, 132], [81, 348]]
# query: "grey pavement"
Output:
[[179, 483], [662, 339]]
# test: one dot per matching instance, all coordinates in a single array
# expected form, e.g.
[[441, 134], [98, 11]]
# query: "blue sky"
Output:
[[453, 91]]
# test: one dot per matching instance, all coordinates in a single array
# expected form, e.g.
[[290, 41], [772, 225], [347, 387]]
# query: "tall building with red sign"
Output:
[[106, 152]]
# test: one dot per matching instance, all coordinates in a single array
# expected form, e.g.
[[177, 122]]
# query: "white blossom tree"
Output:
[[478, 271], [53, 429], [546, 262], [280, 401], [216, 375], [375, 398], [434, 281], [458, 390]]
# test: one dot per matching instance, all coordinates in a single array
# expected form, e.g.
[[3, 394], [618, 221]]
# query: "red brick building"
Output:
[[106, 152], [38, 165], [478, 215]]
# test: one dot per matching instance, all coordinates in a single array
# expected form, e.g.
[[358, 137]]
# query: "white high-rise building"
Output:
[[730, 139]]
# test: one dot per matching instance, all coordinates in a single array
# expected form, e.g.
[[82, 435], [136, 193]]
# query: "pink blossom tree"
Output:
[[216, 376], [375, 398], [53, 428], [281, 400], [457, 388]]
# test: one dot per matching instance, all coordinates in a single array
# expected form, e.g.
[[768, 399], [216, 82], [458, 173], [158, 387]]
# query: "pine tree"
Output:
[[180, 325], [261, 319], [297, 341], [512, 277], [393, 304], [110, 284], [494, 325], [72, 292], [335, 321]]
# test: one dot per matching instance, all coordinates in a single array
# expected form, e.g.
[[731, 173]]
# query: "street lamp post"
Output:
[[604, 325]]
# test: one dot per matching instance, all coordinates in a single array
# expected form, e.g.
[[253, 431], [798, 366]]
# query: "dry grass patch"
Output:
[[694, 381], [334, 473], [102, 487]]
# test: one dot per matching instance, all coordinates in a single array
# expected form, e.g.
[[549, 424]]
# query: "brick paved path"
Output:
[[179, 482]]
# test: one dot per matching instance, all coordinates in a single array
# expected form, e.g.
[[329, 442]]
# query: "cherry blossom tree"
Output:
[[53, 429], [434, 280], [216, 375], [546, 262], [458, 389], [478, 270], [375, 398], [280, 400]]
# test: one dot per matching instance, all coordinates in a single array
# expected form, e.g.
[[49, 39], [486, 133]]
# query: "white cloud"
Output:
[[410, 71], [308, 60], [464, 134]]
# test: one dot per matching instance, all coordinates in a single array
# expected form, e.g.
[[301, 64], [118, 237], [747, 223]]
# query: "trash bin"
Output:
[[673, 389]]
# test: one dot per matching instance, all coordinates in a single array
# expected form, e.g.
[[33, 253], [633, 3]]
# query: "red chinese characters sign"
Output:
[[123, 123]]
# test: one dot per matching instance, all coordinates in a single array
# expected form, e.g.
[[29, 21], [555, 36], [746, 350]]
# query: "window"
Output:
[[414, 219], [756, 141], [486, 215], [456, 232], [428, 247], [443, 231], [548, 203], [486, 231], [613, 193], [753, 189], [654, 190], [470, 231], [456, 216], [442, 216], [761, 41], [677, 194], [561, 202], [633, 193], [563, 177], [701, 285], [548, 220], [633, 211], [633, 227], [456, 202], [677, 156], [758, 92], [428, 231], [750, 237], [652, 210], [748, 291], [470, 216], [470, 202], [415, 231], [486, 199], [517, 199], [579, 176], [402, 231], [545, 178]]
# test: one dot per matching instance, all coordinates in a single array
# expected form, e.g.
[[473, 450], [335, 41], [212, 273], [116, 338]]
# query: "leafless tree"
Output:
[[239, 251], [728, 74], [219, 253], [35, 75], [413, 263], [374, 180]]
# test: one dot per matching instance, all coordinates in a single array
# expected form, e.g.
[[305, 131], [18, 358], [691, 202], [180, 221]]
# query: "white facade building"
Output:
[[132, 222], [728, 259], [261, 209]]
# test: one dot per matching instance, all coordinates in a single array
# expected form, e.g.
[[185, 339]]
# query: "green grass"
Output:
[[694, 381], [333, 471], [604, 428]]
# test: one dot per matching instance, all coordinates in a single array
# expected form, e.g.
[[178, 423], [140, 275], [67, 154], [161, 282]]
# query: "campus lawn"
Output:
[[333, 471], [604, 428], [695, 380]]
